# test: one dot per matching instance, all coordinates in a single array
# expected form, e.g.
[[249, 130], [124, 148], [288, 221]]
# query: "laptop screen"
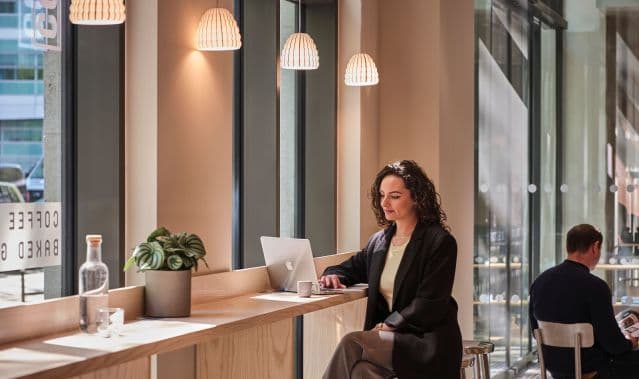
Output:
[[288, 260]]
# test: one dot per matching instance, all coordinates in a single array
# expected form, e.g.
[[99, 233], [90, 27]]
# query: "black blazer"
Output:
[[427, 339], [569, 293]]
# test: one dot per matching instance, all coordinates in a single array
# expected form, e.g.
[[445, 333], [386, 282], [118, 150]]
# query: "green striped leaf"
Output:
[[193, 246], [159, 232], [174, 262], [165, 251], [149, 256]]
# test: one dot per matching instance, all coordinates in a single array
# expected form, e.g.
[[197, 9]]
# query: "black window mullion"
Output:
[[534, 158], [69, 281], [237, 260]]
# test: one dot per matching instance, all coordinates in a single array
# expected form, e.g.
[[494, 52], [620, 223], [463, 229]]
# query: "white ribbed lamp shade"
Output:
[[361, 71], [218, 31], [299, 53], [97, 12]]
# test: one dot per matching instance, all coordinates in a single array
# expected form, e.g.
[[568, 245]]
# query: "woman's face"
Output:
[[396, 200]]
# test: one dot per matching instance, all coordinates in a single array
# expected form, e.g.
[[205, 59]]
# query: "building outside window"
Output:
[[30, 142]]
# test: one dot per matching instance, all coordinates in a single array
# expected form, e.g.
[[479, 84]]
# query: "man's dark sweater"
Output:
[[568, 293]]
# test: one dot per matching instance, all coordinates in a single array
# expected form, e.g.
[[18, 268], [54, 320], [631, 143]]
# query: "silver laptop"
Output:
[[289, 260]]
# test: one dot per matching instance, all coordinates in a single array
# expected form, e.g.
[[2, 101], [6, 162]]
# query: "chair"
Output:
[[574, 336], [467, 361], [480, 350]]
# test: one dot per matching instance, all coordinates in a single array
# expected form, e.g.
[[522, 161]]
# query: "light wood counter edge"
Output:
[[107, 359], [206, 294], [28, 321]]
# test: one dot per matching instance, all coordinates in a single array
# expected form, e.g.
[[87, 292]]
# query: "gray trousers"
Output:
[[367, 354]]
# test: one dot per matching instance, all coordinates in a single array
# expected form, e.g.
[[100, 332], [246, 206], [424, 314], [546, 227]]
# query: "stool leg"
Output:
[[462, 373], [484, 364], [477, 368]]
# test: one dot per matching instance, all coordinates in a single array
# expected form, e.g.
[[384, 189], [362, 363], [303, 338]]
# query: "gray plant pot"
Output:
[[167, 293]]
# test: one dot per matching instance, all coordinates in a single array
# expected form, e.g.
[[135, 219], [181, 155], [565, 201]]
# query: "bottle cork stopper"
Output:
[[94, 240]]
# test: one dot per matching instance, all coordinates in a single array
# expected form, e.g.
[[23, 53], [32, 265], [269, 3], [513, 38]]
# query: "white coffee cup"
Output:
[[304, 288]]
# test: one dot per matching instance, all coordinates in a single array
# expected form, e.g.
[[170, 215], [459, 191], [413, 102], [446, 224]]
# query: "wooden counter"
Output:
[[75, 353], [79, 353]]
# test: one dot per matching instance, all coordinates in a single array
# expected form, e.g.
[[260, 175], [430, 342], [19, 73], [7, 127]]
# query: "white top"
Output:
[[387, 281]]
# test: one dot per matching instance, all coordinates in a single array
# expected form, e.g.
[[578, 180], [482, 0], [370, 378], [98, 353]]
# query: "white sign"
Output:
[[30, 235], [41, 24]]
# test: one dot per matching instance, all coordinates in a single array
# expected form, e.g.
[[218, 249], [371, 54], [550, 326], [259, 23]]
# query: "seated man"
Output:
[[568, 293]]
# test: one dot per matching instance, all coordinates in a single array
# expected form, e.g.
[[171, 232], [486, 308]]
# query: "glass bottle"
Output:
[[94, 284]]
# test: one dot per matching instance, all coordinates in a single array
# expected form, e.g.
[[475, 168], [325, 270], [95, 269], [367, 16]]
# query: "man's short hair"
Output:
[[581, 237]]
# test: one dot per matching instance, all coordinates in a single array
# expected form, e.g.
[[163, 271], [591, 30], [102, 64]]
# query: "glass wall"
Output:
[[546, 137], [30, 150], [502, 218], [557, 145], [601, 51]]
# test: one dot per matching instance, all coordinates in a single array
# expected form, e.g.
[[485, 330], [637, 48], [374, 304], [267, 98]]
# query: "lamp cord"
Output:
[[299, 13]]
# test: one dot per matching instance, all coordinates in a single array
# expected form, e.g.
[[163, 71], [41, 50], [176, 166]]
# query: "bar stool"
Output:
[[480, 350], [467, 361]]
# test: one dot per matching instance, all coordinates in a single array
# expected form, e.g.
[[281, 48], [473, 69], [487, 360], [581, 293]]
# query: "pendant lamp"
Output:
[[218, 31], [97, 12], [299, 52], [361, 71]]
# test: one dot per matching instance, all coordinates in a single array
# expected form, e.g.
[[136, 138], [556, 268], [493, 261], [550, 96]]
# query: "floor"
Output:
[[531, 373]]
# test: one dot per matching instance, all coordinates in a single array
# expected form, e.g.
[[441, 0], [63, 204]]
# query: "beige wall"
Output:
[[357, 127], [409, 91], [457, 143], [141, 117], [349, 127], [179, 128], [424, 101], [370, 131], [195, 92]]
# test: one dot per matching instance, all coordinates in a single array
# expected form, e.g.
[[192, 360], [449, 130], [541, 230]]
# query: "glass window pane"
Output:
[[502, 221], [602, 51], [30, 155], [288, 127], [564, 125]]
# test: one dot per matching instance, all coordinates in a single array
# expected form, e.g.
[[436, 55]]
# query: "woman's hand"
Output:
[[331, 281], [387, 328], [383, 327]]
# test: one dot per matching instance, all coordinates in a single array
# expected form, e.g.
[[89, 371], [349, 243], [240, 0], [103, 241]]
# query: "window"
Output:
[[573, 150], [61, 151], [502, 209], [516, 197], [8, 7], [285, 124], [30, 120]]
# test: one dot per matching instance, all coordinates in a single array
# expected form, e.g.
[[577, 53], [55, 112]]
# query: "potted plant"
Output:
[[167, 259]]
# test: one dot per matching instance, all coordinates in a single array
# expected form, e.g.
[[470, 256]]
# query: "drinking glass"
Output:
[[110, 321]]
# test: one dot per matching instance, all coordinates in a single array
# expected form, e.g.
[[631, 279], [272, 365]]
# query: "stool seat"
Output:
[[467, 361], [478, 347], [480, 350]]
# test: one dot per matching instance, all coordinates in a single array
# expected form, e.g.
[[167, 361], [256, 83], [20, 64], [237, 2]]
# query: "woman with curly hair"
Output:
[[411, 328]]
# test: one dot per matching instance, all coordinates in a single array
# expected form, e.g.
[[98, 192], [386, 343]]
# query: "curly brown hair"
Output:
[[422, 189]]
